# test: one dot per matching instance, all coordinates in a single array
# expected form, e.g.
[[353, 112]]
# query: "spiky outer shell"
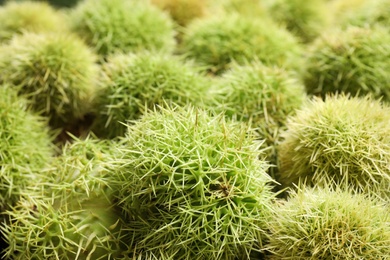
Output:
[[370, 14], [25, 146], [305, 19], [183, 11], [132, 83], [192, 186], [217, 41], [69, 213], [28, 16], [37, 230], [261, 95], [78, 174], [123, 26], [325, 224], [56, 71], [354, 60], [253, 8], [343, 10], [340, 141]]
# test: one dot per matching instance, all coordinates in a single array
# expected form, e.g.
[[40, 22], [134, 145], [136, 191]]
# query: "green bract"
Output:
[[19, 17], [343, 141], [55, 71], [132, 83], [116, 25], [306, 19], [264, 96], [25, 146], [217, 41], [192, 186], [69, 214], [325, 224], [354, 60]]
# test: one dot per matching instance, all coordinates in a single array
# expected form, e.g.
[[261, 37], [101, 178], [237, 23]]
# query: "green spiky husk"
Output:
[[354, 60], [37, 230], [69, 213], [306, 19], [123, 26], [370, 14], [343, 10], [326, 224], [25, 146], [28, 16], [341, 141], [264, 96], [218, 41], [253, 8], [78, 173], [183, 11], [192, 187], [56, 71], [132, 83]]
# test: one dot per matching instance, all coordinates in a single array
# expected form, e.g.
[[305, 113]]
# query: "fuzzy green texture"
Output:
[[251, 8], [40, 231], [326, 224], [341, 141], [370, 13], [69, 214], [78, 174], [306, 19], [183, 11], [55, 71], [28, 16], [343, 10], [354, 60], [25, 146], [132, 83], [192, 186], [217, 41], [123, 26], [264, 96]]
